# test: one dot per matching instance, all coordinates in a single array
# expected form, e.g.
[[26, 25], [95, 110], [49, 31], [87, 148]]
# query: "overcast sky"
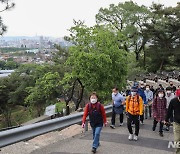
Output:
[[55, 17]]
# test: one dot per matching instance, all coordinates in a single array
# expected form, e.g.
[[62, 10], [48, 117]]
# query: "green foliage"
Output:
[[60, 106], [96, 59]]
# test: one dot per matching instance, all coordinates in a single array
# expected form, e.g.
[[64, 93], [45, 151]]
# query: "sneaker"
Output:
[[121, 124], [130, 137], [141, 122], [161, 134], [135, 138], [94, 150], [112, 126]]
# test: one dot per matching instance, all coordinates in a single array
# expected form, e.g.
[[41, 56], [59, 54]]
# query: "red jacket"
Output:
[[178, 92], [86, 112]]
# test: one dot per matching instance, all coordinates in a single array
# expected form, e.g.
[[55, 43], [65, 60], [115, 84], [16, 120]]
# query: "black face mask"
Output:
[[171, 84]]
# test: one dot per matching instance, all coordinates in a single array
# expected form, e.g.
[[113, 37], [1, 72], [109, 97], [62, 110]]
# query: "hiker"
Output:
[[149, 100], [169, 96], [143, 96], [134, 108], [97, 117], [174, 107], [173, 88], [118, 107], [153, 90], [159, 111], [159, 88]]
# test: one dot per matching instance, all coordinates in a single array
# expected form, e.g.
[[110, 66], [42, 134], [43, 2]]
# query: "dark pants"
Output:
[[133, 118], [121, 117], [160, 125], [142, 117]]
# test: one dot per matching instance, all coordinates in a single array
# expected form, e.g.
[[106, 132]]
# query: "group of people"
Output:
[[141, 100]]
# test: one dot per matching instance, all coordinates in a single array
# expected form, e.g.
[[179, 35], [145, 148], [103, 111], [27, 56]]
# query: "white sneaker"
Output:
[[135, 138], [121, 124], [112, 126], [130, 137]]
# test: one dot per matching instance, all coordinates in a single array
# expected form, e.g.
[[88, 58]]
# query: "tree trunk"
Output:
[[144, 59], [161, 66], [137, 55], [67, 108]]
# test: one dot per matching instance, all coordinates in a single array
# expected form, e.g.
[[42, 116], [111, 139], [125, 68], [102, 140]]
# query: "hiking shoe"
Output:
[[130, 137], [94, 150], [161, 134], [135, 138], [112, 126], [121, 124], [153, 128]]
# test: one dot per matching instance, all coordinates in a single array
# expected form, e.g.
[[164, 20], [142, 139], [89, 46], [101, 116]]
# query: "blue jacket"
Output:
[[142, 94]]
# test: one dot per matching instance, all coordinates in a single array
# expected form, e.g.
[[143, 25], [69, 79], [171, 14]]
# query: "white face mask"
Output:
[[161, 95], [147, 89], [93, 101], [133, 93], [114, 93]]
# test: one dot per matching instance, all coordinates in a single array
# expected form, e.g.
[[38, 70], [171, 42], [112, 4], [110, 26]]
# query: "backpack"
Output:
[[95, 115]]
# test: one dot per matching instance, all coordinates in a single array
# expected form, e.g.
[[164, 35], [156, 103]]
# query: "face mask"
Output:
[[161, 95], [93, 101], [142, 86], [114, 93], [147, 89], [133, 93], [171, 84]]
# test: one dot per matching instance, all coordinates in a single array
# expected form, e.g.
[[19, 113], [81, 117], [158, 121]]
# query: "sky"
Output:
[[54, 17]]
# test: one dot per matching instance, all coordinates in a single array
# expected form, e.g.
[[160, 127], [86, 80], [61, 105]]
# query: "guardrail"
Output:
[[23, 133]]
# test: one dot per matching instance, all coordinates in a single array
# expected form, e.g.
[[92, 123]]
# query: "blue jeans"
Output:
[[96, 136]]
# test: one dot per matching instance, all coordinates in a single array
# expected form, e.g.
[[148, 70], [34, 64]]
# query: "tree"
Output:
[[45, 92], [95, 59], [164, 32], [7, 6], [127, 18]]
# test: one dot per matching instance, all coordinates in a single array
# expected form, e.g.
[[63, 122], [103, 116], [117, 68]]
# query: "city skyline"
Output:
[[53, 19]]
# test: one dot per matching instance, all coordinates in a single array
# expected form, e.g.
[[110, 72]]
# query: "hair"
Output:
[[168, 88], [93, 94], [116, 88], [148, 85]]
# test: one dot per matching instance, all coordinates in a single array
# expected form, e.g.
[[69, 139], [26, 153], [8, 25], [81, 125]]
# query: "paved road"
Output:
[[114, 141]]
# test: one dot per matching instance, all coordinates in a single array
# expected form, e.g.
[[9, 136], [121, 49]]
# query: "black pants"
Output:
[[121, 117], [160, 125], [133, 118], [142, 117]]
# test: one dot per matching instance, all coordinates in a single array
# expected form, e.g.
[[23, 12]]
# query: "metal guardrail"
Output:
[[23, 133]]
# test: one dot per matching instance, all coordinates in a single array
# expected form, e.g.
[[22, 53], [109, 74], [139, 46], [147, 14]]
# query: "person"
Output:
[[97, 117], [159, 111], [169, 96], [174, 107], [134, 108], [153, 90], [143, 96], [178, 91], [173, 88], [159, 88], [118, 107], [149, 100]]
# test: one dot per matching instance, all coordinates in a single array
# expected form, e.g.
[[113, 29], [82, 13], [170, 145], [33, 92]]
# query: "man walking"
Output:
[[174, 106], [118, 107]]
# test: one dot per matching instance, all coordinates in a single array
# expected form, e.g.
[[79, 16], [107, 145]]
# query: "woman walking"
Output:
[[159, 111], [97, 117]]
